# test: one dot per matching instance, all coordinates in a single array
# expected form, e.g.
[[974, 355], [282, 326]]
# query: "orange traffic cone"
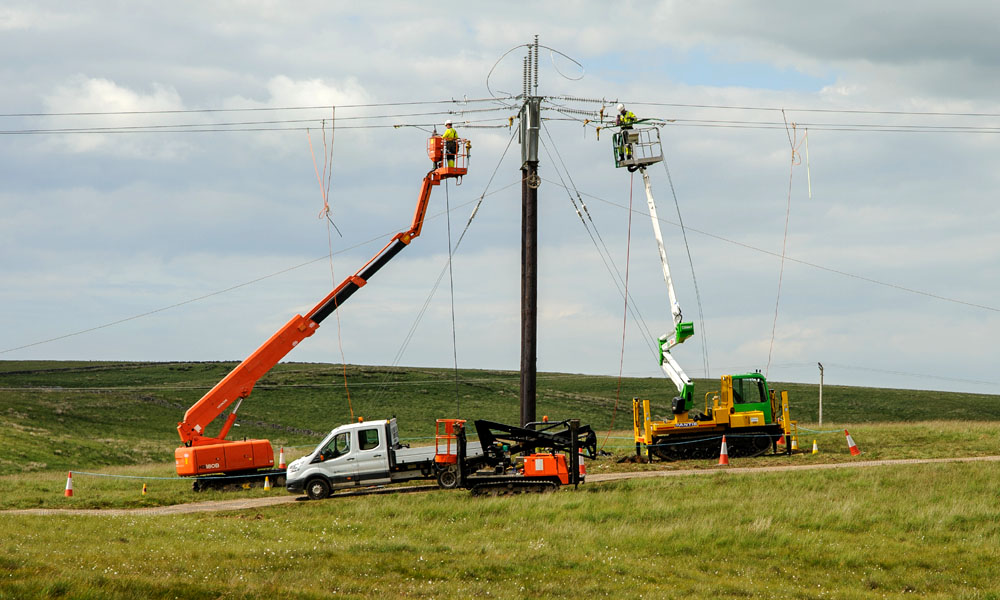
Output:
[[281, 458], [69, 485], [781, 440], [724, 454], [583, 465], [851, 445]]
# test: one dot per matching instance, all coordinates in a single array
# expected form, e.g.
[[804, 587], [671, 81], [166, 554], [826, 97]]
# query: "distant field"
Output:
[[57, 416]]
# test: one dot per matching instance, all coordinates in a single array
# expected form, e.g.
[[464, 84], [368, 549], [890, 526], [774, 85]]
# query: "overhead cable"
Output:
[[250, 109], [802, 262], [605, 254], [377, 238], [780, 108]]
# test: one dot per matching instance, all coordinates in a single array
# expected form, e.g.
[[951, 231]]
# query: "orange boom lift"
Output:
[[202, 454]]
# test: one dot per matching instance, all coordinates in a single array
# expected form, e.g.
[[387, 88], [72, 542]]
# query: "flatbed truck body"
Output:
[[363, 454]]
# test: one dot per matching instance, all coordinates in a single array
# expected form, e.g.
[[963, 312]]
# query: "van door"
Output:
[[337, 461], [372, 455]]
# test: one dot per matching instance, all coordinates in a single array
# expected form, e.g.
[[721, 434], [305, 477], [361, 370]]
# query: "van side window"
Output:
[[368, 439], [338, 446]]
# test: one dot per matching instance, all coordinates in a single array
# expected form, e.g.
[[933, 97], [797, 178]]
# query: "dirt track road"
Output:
[[255, 503]]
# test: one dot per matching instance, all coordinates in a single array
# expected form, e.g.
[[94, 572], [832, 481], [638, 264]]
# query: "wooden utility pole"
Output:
[[530, 122]]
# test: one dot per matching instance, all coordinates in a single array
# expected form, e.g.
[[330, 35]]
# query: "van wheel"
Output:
[[448, 478], [317, 489]]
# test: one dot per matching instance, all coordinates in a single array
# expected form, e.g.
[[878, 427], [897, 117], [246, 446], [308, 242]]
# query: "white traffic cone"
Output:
[[281, 458], [69, 485], [815, 448], [267, 483]]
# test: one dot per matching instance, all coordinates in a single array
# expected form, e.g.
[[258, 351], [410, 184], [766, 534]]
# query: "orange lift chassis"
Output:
[[202, 454]]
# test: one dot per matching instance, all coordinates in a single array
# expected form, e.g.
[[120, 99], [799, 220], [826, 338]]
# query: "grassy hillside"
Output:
[[931, 531], [63, 415]]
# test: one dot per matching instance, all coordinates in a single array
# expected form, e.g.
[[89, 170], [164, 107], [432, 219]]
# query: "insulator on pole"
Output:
[[526, 76], [536, 64]]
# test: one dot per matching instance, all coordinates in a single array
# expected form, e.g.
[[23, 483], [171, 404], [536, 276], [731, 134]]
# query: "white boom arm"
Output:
[[668, 340]]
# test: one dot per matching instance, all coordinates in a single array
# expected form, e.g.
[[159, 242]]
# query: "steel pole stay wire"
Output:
[[327, 178], [380, 238], [694, 278], [799, 260], [451, 286], [427, 301], [621, 360], [784, 241], [605, 255]]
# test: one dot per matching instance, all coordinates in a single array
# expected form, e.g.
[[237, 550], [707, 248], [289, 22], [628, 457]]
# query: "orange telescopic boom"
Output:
[[202, 454]]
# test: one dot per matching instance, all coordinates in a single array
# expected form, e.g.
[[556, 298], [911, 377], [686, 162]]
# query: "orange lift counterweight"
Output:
[[202, 454]]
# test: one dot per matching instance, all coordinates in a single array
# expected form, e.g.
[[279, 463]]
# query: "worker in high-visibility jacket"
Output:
[[450, 138], [625, 120]]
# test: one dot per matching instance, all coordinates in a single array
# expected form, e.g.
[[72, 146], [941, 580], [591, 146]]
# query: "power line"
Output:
[[797, 260], [249, 109], [481, 124], [229, 289], [572, 113], [778, 109], [244, 125]]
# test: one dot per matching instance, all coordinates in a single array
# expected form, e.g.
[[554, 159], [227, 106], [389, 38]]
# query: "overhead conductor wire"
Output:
[[784, 241], [427, 301], [799, 260], [621, 360], [605, 254], [451, 285], [694, 279], [324, 189]]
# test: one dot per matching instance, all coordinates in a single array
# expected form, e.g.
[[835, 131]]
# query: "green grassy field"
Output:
[[931, 531], [876, 532], [68, 415], [120, 486]]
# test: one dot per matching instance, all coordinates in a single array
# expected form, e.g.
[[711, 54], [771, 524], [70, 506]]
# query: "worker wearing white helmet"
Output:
[[625, 118], [450, 138]]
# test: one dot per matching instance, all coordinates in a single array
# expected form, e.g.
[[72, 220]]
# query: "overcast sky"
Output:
[[176, 244]]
